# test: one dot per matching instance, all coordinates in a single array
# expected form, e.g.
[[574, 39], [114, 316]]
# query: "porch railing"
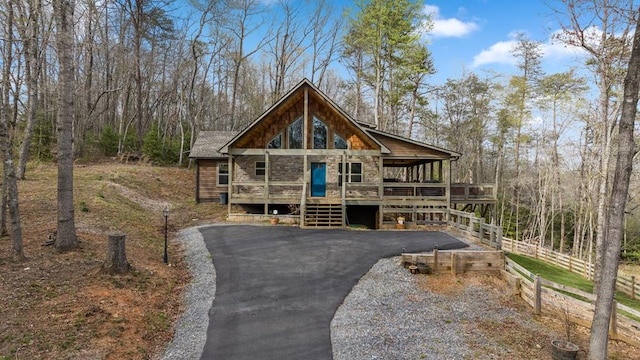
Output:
[[403, 190], [464, 191]]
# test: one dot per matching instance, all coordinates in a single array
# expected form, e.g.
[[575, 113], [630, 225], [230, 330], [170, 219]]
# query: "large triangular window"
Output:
[[320, 132], [294, 133]]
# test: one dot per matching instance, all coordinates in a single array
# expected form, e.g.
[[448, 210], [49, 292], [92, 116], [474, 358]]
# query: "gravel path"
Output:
[[388, 316], [191, 330]]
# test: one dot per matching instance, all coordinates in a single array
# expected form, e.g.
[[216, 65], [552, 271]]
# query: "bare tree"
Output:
[[613, 238], [9, 178], [246, 18], [66, 237], [28, 30], [601, 28]]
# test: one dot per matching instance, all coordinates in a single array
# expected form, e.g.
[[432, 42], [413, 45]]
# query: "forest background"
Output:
[[148, 75]]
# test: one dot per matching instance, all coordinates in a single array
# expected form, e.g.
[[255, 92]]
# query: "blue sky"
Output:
[[477, 35]]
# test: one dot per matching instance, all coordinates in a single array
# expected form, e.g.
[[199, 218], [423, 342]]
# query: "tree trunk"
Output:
[[9, 179], [66, 239], [613, 237], [32, 72], [116, 261]]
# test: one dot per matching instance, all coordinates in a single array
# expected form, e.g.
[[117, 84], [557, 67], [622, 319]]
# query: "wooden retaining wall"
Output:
[[491, 235], [457, 262]]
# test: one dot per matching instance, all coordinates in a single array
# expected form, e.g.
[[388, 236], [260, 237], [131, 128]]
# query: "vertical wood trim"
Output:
[[344, 176], [306, 174], [197, 181], [447, 181], [267, 170], [230, 183], [305, 120], [380, 182]]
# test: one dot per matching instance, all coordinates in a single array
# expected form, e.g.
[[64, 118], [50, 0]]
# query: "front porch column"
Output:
[[229, 183], [266, 182]]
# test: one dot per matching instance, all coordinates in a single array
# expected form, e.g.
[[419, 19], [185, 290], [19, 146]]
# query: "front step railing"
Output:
[[327, 215]]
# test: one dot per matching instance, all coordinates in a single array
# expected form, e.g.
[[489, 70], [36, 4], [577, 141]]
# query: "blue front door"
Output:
[[318, 179]]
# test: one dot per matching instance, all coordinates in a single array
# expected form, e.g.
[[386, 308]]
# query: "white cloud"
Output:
[[500, 52], [450, 27]]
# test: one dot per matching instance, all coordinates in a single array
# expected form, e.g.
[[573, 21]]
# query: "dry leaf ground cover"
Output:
[[57, 306], [523, 341]]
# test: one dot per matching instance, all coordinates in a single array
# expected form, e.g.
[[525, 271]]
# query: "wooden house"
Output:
[[306, 157]]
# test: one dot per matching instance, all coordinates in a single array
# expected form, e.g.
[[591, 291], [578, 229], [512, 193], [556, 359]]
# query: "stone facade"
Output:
[[285, 168]]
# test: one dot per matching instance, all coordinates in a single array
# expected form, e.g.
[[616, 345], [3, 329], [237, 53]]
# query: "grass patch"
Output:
[[553, 273], [565, 277]]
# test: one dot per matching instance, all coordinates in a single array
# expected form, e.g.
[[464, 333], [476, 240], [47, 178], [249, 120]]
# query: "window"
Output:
[[295, 134], [319, 134], [260, 168], [276, 142], [354, 173], [223, 174], [339, 142]]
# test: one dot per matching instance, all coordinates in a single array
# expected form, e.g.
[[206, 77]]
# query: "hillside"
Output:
[[59, 305]]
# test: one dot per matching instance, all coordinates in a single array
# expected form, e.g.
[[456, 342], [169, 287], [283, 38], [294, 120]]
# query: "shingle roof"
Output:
[[208, 143]]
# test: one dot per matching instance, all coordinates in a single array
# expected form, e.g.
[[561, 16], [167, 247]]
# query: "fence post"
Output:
[[537, 295], [453, 263], [435, 260], [499, 238], [570, 263], [613, 326], [633, 287]]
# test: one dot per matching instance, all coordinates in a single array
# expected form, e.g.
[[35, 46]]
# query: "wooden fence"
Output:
[[491, 235], [551, 298], [457, 262]]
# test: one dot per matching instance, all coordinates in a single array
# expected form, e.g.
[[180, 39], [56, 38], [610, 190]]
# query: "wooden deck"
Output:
[[369, 193]]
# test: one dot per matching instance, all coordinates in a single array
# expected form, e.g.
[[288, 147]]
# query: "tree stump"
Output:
[[116, 262]]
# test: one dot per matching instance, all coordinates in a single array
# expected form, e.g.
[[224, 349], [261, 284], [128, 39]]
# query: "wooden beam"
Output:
[[305, 120], [229, 182], [302, 152]]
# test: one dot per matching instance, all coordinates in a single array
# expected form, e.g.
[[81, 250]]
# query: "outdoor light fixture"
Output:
[[165, 212]]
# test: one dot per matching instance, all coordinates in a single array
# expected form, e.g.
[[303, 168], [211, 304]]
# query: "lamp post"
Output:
[[165, 212]]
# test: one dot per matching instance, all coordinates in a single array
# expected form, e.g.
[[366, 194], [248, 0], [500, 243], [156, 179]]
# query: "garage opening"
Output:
[[362, 216]]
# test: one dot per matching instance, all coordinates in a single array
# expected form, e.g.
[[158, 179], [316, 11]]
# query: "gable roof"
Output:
[[208, 142], [305, 82]]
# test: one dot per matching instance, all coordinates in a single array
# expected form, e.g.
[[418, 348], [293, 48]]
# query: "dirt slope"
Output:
[[59, 305]]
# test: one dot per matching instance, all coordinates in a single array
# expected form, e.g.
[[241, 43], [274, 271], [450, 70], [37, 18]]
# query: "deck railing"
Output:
[[463, 191], [403, 190], [291, 190]]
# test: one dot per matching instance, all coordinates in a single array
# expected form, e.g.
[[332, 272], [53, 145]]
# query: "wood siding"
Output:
[[277, 121], [206, 185], [403, 148]]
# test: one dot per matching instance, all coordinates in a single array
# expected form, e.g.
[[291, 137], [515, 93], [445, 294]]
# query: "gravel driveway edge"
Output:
[[191, 330]]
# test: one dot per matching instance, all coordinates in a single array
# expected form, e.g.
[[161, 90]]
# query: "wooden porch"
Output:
[[366, 193]]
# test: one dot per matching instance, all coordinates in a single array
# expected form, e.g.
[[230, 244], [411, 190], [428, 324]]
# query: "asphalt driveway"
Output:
[[278, 287]]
